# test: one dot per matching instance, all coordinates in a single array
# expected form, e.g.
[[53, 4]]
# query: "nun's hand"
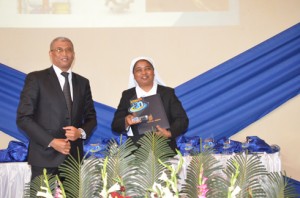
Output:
[[163, 132], [129, 120]]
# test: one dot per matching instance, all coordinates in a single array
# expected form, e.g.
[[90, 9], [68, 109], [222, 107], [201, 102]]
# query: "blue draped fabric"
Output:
[[15, 152], [219, 102], [235, 94], [295, 184]]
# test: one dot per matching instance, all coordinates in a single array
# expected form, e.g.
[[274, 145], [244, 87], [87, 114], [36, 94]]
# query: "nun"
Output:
[[144, 81]]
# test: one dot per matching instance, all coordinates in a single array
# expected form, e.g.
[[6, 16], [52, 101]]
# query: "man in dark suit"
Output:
[[55, 125], [145, 85]]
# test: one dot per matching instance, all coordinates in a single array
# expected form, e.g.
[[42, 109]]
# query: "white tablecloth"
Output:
[[13, 176]]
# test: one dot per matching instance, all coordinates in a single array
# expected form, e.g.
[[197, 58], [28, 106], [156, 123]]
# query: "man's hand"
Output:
[[61, 145], [72, 133], [163, 132]]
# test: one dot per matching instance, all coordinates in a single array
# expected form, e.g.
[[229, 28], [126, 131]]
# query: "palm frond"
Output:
[[277, 185], [250, 169], [81, 179], [153, 147], [209, 165], [120, 167], [156, 144]]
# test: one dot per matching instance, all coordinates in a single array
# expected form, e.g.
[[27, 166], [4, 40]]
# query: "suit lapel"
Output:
[[53, 80], [133, 94], [159, 90], [75, 94]]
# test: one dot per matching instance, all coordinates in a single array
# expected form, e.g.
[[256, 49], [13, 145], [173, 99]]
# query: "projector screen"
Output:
[[117, 13]]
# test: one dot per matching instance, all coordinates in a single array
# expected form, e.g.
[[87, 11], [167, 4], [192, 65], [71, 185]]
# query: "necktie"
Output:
[[67, 92]]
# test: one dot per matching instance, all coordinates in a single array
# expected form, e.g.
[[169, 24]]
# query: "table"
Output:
[[13, 176]]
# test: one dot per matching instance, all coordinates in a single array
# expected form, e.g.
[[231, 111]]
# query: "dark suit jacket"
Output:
[[176, 114], [42, 113]]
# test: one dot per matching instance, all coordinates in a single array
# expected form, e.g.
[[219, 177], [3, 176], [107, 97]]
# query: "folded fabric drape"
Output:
[[15, 152], [252, 144], [231, 96], [219, 102]]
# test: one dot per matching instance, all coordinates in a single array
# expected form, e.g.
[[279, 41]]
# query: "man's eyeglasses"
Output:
[[60, 50]]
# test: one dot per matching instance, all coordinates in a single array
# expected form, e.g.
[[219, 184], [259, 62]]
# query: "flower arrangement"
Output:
[[153, 170]]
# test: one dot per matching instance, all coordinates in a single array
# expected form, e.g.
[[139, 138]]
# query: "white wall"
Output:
[[181, 53]]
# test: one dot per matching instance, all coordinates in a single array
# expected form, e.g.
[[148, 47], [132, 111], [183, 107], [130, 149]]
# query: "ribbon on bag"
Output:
[[188, 145], [257, 145], [227, 146]]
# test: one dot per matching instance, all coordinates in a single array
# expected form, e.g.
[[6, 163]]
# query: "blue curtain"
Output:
[[235, 94], [219, 102], [11, 84]]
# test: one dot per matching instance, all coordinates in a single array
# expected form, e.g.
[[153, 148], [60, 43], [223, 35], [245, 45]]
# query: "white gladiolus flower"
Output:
[[44, 194], [114, 188], [235, 191], [164, 177]]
